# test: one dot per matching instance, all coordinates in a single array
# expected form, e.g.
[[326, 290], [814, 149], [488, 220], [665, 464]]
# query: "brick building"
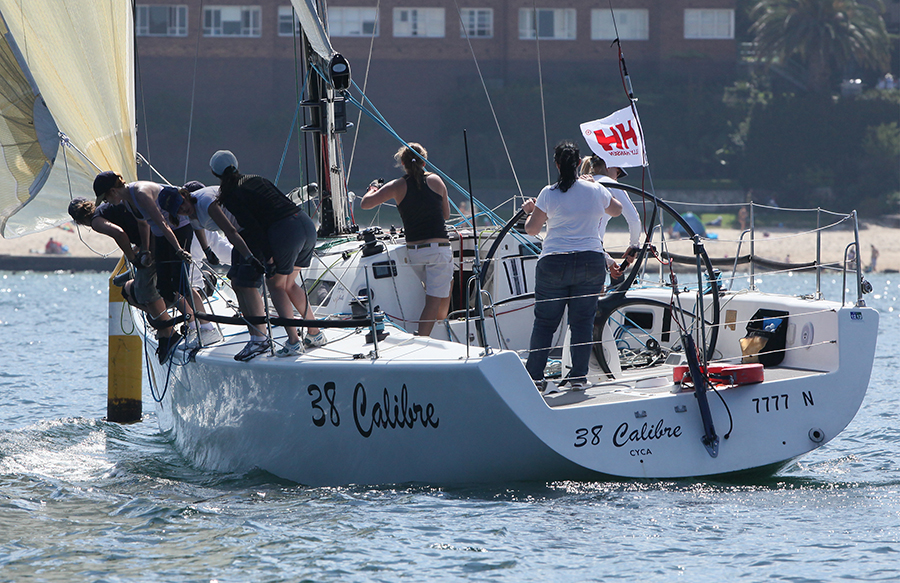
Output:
[[422, 76]]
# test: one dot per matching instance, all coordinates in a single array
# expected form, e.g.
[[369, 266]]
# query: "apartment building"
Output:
[[226, 74]]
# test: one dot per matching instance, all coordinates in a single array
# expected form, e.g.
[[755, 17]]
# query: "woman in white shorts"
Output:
[[421, 198]]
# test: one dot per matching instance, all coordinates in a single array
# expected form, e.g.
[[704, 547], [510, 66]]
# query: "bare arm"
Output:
[[536, 217], [393, 190], [103, 226], [147, 202], [216, 214]]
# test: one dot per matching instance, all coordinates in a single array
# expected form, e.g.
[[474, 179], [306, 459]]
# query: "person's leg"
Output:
[[278, 285], [589, 274], [438, 277], [298, 298], [431, 313], [549, 304], [251, 304]]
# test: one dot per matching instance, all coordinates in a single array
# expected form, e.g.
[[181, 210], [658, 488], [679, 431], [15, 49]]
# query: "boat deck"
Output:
[[647, 385]]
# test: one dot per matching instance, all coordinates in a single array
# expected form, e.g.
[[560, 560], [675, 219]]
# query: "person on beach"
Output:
[[596, 166], [873, 260], [277, 240], [572, 266], [114, 221], [424, 205]]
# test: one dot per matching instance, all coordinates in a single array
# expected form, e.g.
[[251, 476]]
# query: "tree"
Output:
[[824, 35]]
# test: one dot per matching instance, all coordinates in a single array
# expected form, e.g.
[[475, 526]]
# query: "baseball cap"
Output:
[[103, 182], [221, 161], [170, 200], [622, 173], [193, 186]]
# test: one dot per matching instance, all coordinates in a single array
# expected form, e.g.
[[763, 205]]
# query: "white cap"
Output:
[[221, 161]]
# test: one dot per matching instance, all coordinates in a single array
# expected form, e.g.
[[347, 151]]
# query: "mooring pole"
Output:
[[123, 402]]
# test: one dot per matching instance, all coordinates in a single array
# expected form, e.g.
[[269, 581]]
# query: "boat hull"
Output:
[[445, 418]]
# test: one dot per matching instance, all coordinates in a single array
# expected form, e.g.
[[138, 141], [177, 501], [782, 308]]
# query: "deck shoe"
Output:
[[167, 346], [252, 349], [210, 336], [121, 279], [290, 349], [311, 341], [580, 385], [550, 388]]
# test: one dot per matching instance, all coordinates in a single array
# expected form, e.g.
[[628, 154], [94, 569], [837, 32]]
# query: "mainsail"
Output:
[[66, 66]]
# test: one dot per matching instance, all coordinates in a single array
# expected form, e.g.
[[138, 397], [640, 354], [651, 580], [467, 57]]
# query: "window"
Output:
[[288, 25], [633, 24], [161, 20], [231, 21], [352, 21], [709, 23], [428, 22], [552, 23], [477, 22]]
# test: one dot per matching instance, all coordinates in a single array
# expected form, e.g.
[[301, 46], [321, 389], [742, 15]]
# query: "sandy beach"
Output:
[[775, 244]]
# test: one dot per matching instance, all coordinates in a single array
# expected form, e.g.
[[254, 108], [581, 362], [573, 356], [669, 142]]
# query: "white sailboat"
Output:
[[379, 405]]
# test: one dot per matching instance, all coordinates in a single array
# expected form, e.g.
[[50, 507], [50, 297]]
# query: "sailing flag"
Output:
[[617, 139]]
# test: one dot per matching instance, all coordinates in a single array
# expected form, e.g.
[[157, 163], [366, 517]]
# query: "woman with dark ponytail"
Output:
[[572, 269]]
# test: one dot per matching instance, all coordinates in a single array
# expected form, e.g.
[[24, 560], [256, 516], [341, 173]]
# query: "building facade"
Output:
[[225, 75]]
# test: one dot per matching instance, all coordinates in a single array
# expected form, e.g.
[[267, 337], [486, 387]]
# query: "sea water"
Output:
[[86, 500]]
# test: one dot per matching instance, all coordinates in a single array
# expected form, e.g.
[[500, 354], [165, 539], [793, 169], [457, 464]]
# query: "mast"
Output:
[[328, 120]]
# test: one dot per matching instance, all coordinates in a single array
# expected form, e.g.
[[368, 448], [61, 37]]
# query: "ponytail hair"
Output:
[[412, 161], [567, 159]]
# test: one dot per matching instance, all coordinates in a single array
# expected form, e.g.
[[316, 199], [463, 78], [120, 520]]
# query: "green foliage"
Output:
[[826, 36]]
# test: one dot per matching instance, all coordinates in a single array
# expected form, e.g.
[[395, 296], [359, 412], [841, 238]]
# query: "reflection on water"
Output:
[[82, 499]]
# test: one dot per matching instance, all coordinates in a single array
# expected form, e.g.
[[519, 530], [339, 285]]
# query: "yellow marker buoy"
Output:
[[123, 404]]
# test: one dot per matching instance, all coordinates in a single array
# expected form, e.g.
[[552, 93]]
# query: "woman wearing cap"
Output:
[[571, 270], [596, 166], [424, 206], [157, 205], [275, 231]]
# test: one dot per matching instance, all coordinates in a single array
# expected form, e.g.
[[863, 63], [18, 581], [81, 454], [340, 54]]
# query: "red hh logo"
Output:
[[616, 138]]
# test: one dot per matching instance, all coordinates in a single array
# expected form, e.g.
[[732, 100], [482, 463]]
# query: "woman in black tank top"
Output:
[[424, 206]]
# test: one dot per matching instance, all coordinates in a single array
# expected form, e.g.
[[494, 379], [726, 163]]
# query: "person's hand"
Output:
[[528, 206], [615, 272], [257, 264], [588, 177], [630, 254], [142, 260], [375, 184], [183, 255], [270, 270], [211, 257]]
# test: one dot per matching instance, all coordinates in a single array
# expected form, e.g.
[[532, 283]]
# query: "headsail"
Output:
[[65, 66]]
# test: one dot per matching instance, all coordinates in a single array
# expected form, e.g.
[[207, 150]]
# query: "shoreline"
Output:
[[90, 251]]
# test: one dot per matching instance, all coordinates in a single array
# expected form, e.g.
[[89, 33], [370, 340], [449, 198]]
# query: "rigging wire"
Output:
[[187, 153], [537, 44], [491, 105], [140, 82], [365, 84]]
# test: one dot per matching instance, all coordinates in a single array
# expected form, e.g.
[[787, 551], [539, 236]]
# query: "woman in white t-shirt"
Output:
[[571, 269]]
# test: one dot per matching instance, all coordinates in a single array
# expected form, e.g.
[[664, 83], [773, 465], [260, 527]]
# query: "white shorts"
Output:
[[434, 266]]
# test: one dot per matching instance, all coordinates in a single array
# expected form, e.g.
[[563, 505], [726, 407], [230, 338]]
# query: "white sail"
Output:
[[312, 27], [65, 66]]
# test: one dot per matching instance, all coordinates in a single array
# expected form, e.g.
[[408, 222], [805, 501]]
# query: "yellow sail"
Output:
[[65, 66]]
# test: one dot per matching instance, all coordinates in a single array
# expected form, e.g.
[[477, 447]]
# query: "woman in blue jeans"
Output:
[[572, 266]]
